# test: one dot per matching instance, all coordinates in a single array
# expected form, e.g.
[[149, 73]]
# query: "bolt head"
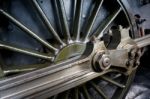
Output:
[[101, 62], [106, 62]]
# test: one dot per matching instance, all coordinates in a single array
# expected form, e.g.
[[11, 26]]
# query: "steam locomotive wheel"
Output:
[[41, 41]]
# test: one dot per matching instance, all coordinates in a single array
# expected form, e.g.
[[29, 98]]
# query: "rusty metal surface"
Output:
[[140, 89]]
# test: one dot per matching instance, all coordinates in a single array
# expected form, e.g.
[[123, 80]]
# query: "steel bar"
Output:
[[112, 81], [57, 18], [77, 19], [74, 4], [13, 71], [63, 18], [76, 93], [1, 72], [74, 8], [55, 97], [97, 88], [66, 96], [46, 21], [102, 27], [25, 29], [23, 68], [92, 18], [4, 45], [85, 92], [143, 41]]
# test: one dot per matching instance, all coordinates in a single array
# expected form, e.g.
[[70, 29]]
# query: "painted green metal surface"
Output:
[[70, 51]]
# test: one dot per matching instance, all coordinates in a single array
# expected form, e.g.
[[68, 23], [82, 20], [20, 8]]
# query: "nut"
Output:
[[101, 62], [106, 62]]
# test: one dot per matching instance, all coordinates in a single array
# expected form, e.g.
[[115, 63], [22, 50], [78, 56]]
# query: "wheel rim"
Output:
[[71, 25]]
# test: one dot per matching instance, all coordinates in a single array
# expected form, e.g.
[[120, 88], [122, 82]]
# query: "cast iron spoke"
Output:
[[1, 69], [46, 21], [92, 18], [97, 88], [4, 45], [74, 10], [12, 71], [85, 92], [1, 72], [63, 18], [76, 93], [55, 97], [23, 68], [66, 96], [106, 23], [112, 82], [77, 19], [25, 29]]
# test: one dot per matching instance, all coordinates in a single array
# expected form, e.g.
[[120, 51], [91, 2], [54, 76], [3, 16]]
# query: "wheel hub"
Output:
[[70, 51]]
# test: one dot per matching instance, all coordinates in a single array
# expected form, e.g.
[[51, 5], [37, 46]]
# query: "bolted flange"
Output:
[[134, 54]]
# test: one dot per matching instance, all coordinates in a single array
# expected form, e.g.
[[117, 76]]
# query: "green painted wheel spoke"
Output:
[[106, 23], [77, 19], [66, 96], [92, 18], [113, 82], [46, 21], [99, 90], [23, 68], [63, 18], [74, 8], [55, 97], [1, 69], [85, 92], [4, 45], [25, 29], [12, 71], [76, 93], [1, 72]]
